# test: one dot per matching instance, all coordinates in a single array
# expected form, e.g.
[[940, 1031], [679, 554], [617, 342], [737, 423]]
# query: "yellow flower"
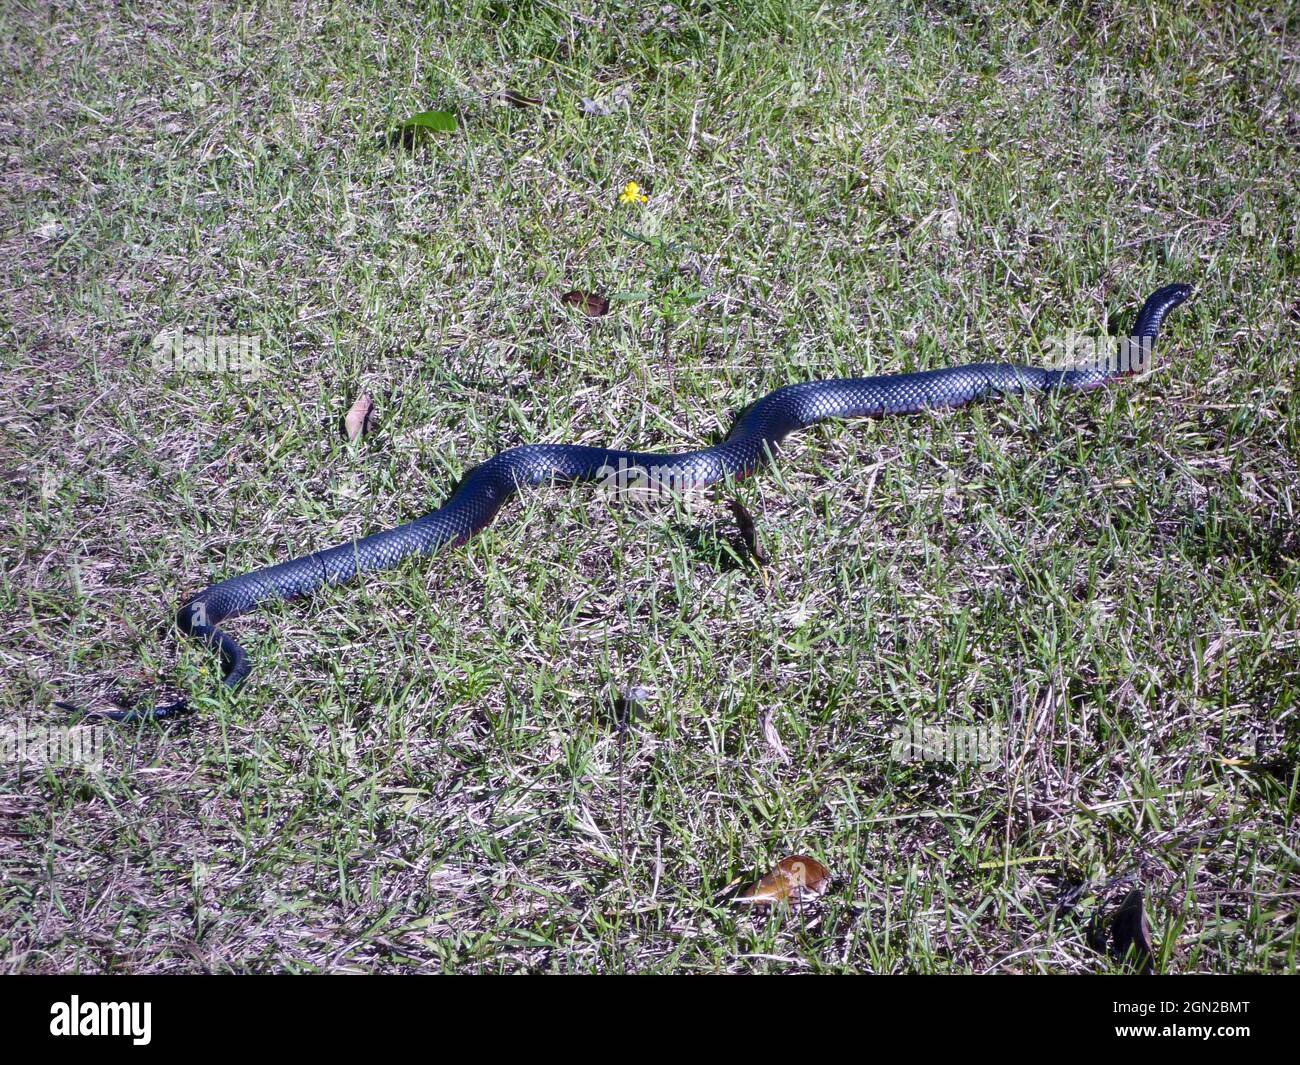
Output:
[[632, 194]]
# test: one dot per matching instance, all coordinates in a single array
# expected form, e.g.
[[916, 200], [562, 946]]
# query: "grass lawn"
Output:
[[424, 771]]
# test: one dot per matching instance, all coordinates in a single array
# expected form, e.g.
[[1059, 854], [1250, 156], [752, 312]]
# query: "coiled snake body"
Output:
[[754, 438]]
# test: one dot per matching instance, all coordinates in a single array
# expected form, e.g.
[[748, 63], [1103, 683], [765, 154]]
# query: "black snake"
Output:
[[756, 435]]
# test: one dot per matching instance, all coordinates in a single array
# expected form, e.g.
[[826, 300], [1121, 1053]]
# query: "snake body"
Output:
[[755, 437]]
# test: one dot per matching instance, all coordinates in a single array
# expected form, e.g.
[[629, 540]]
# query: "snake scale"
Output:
[[754, 438]]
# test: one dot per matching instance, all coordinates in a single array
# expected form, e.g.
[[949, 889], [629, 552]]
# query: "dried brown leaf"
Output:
[[793, 878], [774, 739], [590, 303], [360, 418]]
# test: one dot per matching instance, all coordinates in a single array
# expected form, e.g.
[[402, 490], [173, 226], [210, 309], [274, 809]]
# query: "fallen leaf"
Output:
[[748, 531], [360, 418], [793, 878], [437, 121], [590, 303], [1130, 934], [774, 739], [422, 125]]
